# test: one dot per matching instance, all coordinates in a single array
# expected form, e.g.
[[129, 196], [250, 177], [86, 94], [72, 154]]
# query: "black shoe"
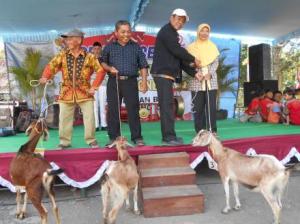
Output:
[[97, 129], [103, 128], [173, 142], [61, 146], [138, 142]]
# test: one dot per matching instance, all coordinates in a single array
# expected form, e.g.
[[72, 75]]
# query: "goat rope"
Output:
[[119, 105], [207, 106], [36, 83]]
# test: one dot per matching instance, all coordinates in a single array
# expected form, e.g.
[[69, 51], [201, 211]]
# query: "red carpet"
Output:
[[83, 167]]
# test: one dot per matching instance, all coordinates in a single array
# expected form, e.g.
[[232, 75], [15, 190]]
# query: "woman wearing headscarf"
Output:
[[204, 91]]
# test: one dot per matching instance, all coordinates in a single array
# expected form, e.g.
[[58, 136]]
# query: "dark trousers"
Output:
[[128, 89], [166, 107], [201, 108]]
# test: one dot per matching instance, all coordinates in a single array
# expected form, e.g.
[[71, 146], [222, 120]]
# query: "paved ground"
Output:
[[77, 210]]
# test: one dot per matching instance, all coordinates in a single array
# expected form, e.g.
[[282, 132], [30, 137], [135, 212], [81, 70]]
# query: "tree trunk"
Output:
[[276, 65]]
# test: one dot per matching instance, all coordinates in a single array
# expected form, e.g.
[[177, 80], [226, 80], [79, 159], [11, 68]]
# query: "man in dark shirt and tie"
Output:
[[168, 60], [123, 59]]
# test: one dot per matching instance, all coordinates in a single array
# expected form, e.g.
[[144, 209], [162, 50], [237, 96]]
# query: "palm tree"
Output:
[[31, 69], [225, 83]]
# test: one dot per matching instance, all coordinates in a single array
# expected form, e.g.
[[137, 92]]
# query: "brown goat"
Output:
[[120, 178], [33, 173], [262, 173]]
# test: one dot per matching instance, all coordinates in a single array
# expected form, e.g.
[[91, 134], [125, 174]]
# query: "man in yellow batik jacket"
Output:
[[76, 66]]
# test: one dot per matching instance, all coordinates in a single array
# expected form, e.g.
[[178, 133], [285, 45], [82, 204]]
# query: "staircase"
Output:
[[168, 185]]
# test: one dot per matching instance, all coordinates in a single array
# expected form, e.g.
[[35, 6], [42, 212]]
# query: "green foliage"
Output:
[[289, 62], [243, 75], [243, 64], [224, 82], [31, 69]]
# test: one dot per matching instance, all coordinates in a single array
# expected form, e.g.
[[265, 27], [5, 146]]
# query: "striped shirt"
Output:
[[195, 85]]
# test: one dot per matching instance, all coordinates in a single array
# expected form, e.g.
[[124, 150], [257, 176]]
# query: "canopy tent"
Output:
[[34, 19]]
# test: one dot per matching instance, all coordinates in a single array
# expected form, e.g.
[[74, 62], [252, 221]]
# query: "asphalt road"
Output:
[[75, 209]]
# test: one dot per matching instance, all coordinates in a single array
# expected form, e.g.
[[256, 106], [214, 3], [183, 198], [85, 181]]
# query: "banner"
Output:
[[148, 101]]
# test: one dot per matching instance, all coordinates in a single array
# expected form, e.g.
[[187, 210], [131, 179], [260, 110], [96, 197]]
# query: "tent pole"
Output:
[[7, 70]]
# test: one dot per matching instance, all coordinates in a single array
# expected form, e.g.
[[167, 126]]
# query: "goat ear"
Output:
[[29, 129], [195, 142], [201, 131], [23, 147]]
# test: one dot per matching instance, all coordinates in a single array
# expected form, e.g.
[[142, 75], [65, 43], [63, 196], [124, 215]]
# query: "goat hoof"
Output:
[[21, 215], [127, 208], [225, 211], [237, 207], [137, 212], [105, 221]]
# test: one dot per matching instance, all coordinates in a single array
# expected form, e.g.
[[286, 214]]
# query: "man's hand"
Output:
[[113, 70], [207, 76], [197, 63], [92, 91], [43, 80], [199, 76], [144, 86]]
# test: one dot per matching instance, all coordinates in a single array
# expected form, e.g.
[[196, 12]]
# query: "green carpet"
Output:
[[227, 129]]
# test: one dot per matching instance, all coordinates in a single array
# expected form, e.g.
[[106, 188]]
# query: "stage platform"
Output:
[[84, 166]]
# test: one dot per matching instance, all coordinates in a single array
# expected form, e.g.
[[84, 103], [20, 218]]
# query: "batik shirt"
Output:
[[76, 75]]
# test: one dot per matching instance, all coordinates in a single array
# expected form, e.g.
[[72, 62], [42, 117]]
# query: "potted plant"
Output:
[[31, 69]]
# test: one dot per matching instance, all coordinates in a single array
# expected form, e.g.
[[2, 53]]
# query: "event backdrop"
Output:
[[15, 57]]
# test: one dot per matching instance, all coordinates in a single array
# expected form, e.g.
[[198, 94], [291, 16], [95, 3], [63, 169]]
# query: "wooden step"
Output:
[[172, 200], [177, 159], [167, 176]]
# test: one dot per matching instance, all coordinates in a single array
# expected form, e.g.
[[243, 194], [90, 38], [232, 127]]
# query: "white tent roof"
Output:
[[263, 18]]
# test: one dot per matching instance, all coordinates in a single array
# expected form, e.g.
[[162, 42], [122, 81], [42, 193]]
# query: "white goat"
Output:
[[120, 178], [262, 173]]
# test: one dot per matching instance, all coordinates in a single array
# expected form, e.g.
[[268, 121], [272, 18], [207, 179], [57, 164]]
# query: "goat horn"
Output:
[[28, 130]]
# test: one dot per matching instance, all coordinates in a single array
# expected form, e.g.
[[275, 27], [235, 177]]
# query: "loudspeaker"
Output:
[[252, 89], [260, 62]]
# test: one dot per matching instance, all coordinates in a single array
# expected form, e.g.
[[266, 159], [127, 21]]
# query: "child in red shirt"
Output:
[[251, 113], [292, 108], [263, 106]]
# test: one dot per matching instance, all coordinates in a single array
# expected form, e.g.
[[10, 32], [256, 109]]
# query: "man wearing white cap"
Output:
[[168, 60]]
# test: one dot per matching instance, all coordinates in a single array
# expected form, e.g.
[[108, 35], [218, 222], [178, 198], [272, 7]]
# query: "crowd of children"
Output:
[[274, 107]]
